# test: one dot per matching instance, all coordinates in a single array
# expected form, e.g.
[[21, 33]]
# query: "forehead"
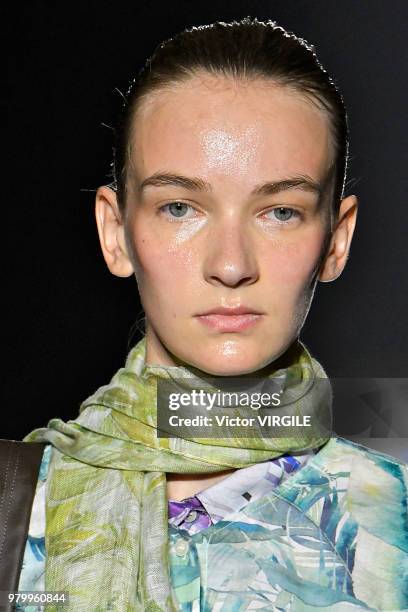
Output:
[[221, 129]]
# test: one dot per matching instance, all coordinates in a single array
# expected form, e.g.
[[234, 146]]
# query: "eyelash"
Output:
[[295, 213], [166, 207]]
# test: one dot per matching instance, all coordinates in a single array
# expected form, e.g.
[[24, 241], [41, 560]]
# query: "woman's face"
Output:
[[209, 225]]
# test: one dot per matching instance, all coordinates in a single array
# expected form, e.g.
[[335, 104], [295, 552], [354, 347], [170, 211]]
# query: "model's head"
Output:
[[230, 164]]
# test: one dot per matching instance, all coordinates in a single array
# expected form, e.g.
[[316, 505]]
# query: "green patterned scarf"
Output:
[[106, 500]]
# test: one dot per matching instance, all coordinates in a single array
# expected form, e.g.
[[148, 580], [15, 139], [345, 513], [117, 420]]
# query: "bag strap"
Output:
[[19, 466]]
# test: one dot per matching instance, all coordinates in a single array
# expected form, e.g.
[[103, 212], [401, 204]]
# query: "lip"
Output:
[[230, 323], [230, 311], [230, 319]]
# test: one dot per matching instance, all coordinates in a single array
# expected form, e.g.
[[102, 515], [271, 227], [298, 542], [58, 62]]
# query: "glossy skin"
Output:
[[224, 245]]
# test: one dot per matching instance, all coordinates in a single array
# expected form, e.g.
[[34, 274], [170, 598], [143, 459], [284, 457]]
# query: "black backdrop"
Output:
[[67, 320]]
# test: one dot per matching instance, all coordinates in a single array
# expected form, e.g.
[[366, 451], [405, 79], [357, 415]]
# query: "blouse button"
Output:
[[190, 518], [181, 547]]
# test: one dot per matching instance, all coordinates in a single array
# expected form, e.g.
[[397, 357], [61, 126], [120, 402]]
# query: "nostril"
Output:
[[233, 280]]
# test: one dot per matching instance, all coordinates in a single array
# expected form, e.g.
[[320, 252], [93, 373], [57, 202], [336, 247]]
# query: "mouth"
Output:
[[230, 318], [230, 322]]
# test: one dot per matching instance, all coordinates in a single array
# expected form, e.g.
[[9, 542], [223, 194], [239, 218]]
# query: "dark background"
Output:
[[67, 321]]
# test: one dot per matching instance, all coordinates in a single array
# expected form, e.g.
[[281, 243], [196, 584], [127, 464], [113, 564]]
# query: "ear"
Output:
[[339, 248], [111, 232]]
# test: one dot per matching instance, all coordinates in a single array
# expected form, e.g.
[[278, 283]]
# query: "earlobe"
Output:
[[111, 232], [339, 248]]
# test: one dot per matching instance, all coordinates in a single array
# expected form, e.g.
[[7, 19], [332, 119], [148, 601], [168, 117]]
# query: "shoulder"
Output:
[[32, 573], [362, 461], [369, 478], [45, 463], [357, 449], [374, 488]]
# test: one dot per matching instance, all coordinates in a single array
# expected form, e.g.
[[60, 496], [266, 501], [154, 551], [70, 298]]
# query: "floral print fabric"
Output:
[[258, 479], [332, 536], [233, 493], [106, 500]]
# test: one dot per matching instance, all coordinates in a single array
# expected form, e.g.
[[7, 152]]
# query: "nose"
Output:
[[231, 258]]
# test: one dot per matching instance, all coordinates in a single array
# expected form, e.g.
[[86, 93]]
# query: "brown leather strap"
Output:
[[19, 466]]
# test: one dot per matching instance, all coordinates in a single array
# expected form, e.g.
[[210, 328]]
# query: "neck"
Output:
[[180, 486]]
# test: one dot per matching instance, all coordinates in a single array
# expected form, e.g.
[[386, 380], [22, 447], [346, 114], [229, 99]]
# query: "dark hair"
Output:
[[248, 49]]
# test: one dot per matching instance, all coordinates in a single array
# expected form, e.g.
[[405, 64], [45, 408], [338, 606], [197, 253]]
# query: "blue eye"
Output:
[[178, 208], [282, 213]]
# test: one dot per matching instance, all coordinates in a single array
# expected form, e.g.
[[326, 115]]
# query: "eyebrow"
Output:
[[158, 179], [303, 182]]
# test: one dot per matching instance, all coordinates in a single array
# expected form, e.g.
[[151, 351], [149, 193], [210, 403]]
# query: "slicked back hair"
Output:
[[249, 49]]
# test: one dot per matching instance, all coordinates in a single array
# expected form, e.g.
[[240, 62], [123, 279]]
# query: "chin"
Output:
[[232, 371], [229, 365], [227, 354]]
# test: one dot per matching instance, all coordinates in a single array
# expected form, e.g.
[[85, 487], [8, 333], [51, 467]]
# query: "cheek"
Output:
[[291, 265], [161, 269]]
